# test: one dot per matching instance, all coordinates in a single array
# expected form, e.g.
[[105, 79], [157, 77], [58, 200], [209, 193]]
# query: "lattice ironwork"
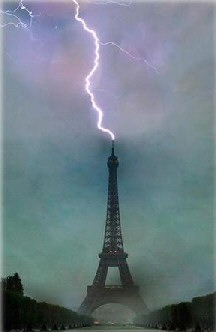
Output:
[[113, 252], [113, 237], [112, 255]]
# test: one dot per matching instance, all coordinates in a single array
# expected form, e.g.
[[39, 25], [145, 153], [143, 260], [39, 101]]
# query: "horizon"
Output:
[[112, 305]]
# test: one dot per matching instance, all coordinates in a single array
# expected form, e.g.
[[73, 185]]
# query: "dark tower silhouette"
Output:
[[113, 255]]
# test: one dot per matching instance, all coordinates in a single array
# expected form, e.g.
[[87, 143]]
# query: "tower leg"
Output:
[[126, 278], [100, 278]]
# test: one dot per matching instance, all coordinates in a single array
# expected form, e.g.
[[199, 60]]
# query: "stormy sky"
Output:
[[55, 173]]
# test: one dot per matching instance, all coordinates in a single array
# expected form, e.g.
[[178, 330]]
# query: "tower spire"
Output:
[[113, 146]]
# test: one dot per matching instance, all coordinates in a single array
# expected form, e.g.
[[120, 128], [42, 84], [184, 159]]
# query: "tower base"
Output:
[[98, 296]]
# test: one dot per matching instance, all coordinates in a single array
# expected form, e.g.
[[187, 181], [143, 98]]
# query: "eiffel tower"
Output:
[[113, 255]]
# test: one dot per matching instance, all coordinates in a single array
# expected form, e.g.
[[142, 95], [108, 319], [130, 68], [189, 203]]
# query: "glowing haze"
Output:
[[93, 70]]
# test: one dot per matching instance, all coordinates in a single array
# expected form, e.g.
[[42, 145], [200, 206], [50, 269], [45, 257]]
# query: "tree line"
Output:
[[23, 312], [198, 314]]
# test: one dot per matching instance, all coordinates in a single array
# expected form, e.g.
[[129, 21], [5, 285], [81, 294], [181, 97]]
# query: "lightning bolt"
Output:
[[88, 78], [16, 18], [93, 70], [130, 55], [19, 23]]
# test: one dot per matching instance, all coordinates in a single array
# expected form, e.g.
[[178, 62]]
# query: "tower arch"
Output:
[[114, 313]]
